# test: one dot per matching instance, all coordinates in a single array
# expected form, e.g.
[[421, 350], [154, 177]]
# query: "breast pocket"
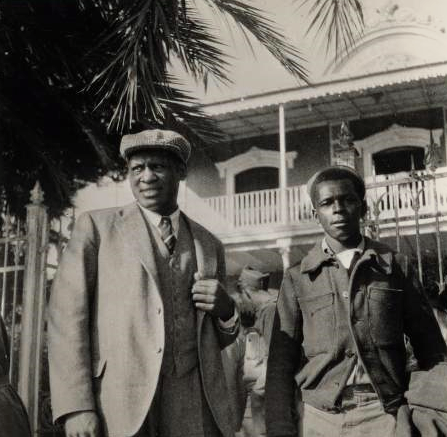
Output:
[[318, 323], [385, 315]]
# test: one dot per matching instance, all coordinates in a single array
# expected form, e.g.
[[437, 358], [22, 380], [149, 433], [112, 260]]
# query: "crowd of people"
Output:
[[145, 339]]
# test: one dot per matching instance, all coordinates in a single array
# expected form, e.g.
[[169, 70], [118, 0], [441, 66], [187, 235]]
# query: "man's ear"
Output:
[[315, 215], [182, 171]]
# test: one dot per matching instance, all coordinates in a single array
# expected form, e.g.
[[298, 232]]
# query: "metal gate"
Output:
[[24, 273], [422, 193]]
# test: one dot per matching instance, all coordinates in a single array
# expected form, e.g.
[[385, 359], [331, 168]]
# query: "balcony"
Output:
[[393, 200]]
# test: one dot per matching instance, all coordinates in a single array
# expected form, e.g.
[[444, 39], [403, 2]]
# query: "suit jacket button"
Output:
[[159, 350], [159, 310]]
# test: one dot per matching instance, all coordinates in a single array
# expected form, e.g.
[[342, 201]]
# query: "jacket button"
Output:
[[349, 353], [345, 294], [159, 350], [159, 310]]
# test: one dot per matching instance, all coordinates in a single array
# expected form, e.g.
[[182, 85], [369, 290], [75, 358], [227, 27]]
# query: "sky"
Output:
[[258, 72]]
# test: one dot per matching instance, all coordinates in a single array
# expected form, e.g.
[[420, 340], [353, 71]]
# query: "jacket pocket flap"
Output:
[[382, 293], [317, 303]]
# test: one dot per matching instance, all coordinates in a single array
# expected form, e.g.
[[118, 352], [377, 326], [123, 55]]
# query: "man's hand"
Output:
[[210, 295], [82, 424]]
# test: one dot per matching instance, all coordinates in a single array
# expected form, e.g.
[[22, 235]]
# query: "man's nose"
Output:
[[148, 175], [338, 206]]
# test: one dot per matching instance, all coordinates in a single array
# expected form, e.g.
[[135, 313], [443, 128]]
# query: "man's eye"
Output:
[[137, 169], [351, 199]]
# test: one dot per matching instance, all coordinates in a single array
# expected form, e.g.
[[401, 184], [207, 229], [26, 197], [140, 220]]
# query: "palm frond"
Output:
[[199, 51], [142, 37], [251, 21], [341, 21]]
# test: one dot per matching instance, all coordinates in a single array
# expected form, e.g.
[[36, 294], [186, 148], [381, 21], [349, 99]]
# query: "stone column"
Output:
[[30, 356]]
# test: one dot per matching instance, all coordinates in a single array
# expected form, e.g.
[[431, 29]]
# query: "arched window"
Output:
[[255, 179], [399, 159], [256, 169]]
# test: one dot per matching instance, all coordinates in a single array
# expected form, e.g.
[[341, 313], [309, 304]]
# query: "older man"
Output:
[[138, 312], [340, 323]]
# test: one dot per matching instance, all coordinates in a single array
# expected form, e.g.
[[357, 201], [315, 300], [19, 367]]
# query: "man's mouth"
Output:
[[149, 192], [340, 223]]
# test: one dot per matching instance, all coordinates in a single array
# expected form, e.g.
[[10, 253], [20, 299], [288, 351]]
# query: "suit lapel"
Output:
[[206, 261], [205, 250], [135, 232]]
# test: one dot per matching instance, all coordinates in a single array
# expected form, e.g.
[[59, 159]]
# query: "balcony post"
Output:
[[285, 256], [283, 165], [285, 248]]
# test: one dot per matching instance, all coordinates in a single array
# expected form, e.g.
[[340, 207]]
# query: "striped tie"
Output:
[[167, 233]]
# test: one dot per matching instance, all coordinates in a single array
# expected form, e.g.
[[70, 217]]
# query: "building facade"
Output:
[[379, 108]]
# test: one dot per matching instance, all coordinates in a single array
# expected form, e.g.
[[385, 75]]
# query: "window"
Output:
[[255, 179], [399, 159]]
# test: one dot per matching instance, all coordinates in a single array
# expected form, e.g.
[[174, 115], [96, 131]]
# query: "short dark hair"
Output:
[[336, 174]]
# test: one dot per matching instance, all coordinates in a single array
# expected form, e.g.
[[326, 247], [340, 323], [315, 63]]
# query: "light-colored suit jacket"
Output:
[[106, 326]]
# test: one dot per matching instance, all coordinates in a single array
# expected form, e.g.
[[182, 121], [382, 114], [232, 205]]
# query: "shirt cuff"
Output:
[[230, 324]]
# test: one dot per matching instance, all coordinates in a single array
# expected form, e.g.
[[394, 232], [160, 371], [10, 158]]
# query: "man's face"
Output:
[[339, 210], [154, 179]]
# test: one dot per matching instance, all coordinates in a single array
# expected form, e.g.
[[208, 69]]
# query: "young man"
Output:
[[138, 312], [340, 322]]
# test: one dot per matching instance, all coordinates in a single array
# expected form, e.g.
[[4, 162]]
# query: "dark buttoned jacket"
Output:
[[325, 322]]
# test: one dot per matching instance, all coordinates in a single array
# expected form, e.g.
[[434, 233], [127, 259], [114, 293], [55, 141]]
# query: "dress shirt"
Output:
[[345, 256], [155, 219]]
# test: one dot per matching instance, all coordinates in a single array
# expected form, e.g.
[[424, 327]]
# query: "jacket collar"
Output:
[[379, 254]]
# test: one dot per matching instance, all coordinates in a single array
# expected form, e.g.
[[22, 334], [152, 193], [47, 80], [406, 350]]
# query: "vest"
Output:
[[176, 275]]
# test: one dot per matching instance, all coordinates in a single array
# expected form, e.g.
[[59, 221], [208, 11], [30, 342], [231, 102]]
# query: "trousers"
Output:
[[179, 409], [361, 415]]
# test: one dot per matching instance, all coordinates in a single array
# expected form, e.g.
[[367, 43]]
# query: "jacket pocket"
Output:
[[385, 315], [318, 323]]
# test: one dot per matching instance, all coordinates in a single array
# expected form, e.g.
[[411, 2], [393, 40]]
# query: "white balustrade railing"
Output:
[[398, 194], [263, 208]]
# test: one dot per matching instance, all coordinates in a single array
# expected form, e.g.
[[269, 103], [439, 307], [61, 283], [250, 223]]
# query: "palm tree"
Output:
[[75, 75]]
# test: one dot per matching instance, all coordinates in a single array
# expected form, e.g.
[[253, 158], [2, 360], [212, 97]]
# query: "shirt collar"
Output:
[[345, 256], [155, 218], [326, 249], [382, 255]]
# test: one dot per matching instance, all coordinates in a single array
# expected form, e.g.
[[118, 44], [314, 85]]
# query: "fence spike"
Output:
[[37, 194]]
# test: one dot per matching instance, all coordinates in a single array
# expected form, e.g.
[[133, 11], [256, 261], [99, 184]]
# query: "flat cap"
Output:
[[156, 139], [336, 172], [251, 277]]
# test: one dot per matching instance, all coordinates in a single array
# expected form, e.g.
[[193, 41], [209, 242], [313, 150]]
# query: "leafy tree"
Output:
[[75, 75]]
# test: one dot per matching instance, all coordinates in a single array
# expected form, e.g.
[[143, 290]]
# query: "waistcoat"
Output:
[[176, 275]]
